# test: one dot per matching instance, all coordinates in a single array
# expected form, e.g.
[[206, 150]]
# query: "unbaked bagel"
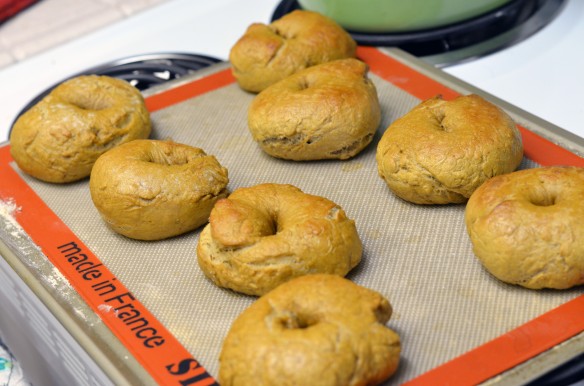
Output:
[[266, 54], [264, 235], [526, 227], [441, 151], [328, 111], [151, 190], [313, 330], [59, 139]]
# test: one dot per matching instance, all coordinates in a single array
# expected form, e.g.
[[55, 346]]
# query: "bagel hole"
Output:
[[543, 200], [86, 102], [160, 157], [271, 228], [157, 158], [294, 321], [303, 84], [282, 34], [123, 121]]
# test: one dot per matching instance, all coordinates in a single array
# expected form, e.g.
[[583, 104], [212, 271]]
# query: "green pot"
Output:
[[399, 15]]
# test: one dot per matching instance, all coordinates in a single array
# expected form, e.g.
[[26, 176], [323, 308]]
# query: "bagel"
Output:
[[328, 111], [526, 227], [264, 235], [441, 151], [59, 138], [151, 190], [266, 54], [313, 330]]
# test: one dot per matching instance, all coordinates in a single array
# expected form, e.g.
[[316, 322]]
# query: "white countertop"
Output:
[[542, 74]]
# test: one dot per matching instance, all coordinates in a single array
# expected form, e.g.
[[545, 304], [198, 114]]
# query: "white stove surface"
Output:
[[543, 75]]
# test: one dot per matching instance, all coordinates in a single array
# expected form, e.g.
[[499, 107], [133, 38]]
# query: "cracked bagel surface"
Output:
[[329, 111], [262, 236], [313, 330], [442, 151], [268, 53]]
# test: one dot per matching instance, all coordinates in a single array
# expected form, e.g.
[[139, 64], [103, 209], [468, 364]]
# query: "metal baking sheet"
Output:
[[448, 310]]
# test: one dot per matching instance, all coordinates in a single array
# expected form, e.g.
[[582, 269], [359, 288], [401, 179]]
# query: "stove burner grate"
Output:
[[141, 71], [145, 71]]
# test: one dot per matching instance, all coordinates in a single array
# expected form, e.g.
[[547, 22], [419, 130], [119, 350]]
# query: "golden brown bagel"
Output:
[[328, 111], [59, 139], [526, 227], [264, 235], [151, 190], [441, 151], [313, 330], [266, 54]]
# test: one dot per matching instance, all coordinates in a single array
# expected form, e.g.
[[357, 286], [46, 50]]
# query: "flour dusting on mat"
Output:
[[8, 208], [105, 308], [15, 235], [58, 281]]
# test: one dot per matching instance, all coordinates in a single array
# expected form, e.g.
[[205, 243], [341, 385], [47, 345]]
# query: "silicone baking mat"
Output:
[[458, 325]]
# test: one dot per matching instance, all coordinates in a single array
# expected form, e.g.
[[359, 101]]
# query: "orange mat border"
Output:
[[171, 363], [50, 233]]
